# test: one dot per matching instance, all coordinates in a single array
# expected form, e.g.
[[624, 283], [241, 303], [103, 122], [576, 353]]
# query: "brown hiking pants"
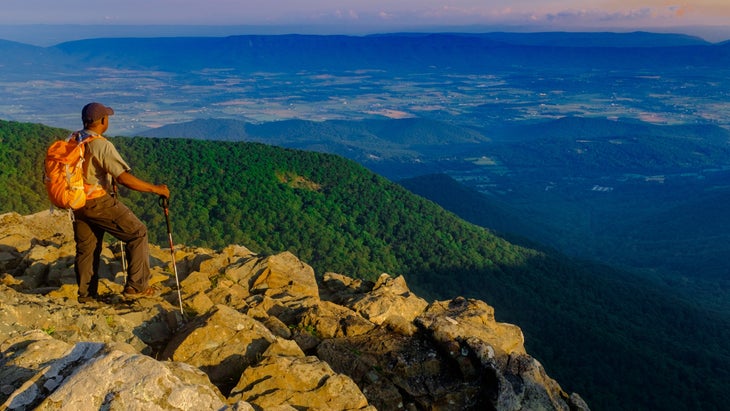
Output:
[[108, 215]]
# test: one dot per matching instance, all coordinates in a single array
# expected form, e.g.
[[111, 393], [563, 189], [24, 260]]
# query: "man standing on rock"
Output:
[[104, 213]]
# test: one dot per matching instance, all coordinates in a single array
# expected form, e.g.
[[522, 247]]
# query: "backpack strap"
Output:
[[82, 138]]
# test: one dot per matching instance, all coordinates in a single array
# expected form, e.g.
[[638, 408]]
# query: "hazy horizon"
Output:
[[46, 22]]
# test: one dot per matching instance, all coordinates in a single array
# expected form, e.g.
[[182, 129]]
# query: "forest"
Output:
[[601, 332], [623, 192]]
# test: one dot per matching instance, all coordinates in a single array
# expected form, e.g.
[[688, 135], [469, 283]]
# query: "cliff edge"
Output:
[[257, 333]]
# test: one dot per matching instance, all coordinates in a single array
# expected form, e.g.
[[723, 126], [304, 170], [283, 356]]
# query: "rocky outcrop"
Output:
[[257, 333]]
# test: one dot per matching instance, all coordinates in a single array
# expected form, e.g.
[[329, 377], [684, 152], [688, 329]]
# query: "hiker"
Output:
[[104, 213]]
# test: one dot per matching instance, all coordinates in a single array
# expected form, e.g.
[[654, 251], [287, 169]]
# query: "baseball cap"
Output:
[[95, 111]]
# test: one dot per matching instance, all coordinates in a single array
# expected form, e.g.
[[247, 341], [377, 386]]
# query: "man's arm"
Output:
[[130, 181]]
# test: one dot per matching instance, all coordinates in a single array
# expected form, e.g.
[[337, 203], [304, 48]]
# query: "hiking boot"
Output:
[[130, 292]]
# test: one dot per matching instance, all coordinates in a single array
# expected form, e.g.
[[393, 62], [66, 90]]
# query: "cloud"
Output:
[[346, 15], [626, 17], [680, 11], [384, 15]]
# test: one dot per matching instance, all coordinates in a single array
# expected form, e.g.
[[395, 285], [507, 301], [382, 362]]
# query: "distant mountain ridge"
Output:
[[521, 76], [585, 39], [460, 51], [591, 144], [30, 59], [365, 141]]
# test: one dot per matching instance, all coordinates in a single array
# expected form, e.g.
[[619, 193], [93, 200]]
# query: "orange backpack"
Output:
[[64, 173]]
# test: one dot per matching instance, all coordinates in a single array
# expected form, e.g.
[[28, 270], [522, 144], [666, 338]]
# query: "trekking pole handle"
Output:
[[164, 202]]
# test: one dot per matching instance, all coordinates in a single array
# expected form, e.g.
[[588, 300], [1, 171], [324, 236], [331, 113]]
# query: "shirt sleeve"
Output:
[[108, 157]]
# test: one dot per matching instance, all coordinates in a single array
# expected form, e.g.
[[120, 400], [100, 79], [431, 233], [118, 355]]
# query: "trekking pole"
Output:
[[124, 260], [115, 194], [164, 202]]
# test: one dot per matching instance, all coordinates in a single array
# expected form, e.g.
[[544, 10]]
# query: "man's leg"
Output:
[[115, 218], [128, 228], [138, 253], [88, 250]]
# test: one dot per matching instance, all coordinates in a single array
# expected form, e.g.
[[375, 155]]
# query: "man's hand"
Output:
[[163, 191]]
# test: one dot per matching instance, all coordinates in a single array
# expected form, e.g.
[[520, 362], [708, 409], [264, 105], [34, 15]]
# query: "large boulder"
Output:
[[222, 343], [329, 320], [298, 381], [454, 323], [91, 376], [390, 302], [281, 275]]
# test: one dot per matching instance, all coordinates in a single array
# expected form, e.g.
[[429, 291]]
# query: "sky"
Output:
[[350, 16]]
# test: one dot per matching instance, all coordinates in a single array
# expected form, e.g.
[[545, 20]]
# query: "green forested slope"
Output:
[[619, 343], [22, 149]]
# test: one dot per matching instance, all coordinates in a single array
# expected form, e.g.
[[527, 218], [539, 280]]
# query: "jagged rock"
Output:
[[222, 343], [22, 232], [466, 330], [277, 327], [91, 376], [194, 288], [34, 241], [330, 320], [213, 263], [452, 322], [462, 359], [9, 280], [340, 288], [282, 276], [136, 382], [140, 327], [195, 283], [226, 292], [402, 370], [262, 330], [280, 285], [391, 303], [25, 355], [299, 382]]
